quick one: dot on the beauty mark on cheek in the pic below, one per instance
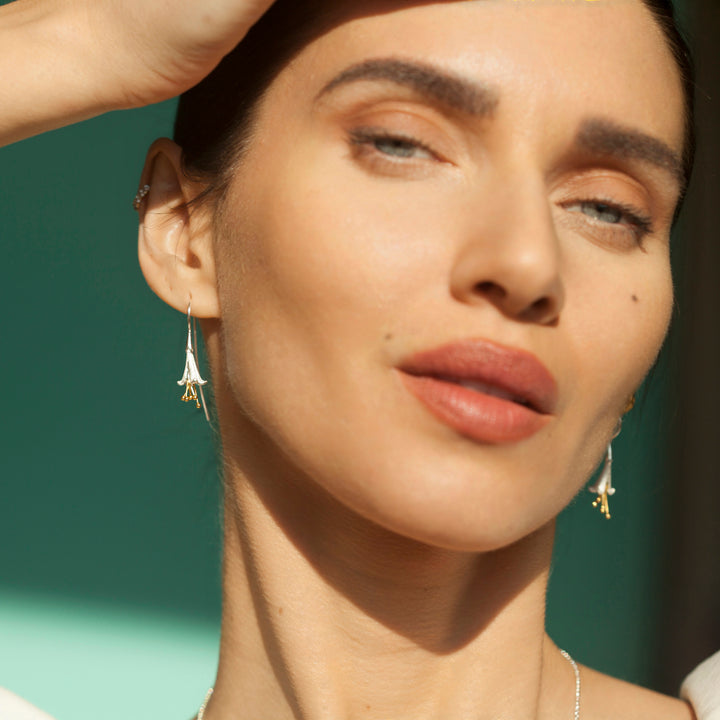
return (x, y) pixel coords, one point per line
(635, 298)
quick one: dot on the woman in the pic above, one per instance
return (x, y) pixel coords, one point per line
(415, 247)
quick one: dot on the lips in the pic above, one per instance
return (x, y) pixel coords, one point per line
(485, 391)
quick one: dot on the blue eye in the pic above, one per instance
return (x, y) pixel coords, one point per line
(613, 214)
(395, 146)
(399, 147)
(602, 211)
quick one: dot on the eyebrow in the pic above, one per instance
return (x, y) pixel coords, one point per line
(605, 137)
(596, 135)
(439, 86)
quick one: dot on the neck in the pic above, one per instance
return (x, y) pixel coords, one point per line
(330, 617)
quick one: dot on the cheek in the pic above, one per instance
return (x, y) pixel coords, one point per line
(332, 261)
(620, 319)
(304, 300)
(644, 306)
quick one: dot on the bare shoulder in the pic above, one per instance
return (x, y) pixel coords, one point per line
(607, 698)
(13, 707)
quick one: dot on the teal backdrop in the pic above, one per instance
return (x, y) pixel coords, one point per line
(109, 539)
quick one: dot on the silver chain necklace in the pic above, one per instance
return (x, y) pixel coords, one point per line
(201, 711)
(566, 655)
(576, 670)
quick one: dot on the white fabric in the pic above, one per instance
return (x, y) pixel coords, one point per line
(702, 688)
(14, 708)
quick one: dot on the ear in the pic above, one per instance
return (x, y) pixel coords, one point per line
(175, 245)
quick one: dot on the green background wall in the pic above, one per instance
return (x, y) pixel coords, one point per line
(109, 535)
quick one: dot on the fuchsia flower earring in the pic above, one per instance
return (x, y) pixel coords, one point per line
(191, 379)
(603, 487)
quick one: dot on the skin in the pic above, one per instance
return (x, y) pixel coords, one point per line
(67, 60)
(378, 564)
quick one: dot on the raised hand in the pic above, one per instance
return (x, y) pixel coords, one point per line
(67, 60)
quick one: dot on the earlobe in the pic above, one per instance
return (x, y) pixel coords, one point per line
(175, 246)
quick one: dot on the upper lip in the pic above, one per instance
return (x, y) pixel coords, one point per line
(511, 370)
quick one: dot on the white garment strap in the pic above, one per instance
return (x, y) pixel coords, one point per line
(14, 708)
(702, 688)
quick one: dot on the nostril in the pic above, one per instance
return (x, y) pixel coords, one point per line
(543, 310)
(541, 306)
(491, 290)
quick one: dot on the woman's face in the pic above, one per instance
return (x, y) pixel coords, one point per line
(491, 181)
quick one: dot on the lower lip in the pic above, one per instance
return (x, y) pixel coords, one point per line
(480, 417)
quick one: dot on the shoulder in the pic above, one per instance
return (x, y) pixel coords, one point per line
(607, 698)
(14, 708)
(702, 688)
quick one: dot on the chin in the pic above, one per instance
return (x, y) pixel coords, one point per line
(481, 534)
(455, 503)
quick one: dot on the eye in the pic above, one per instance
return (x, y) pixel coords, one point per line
(399, 147)
(392, 145)
(615, 215)
(602, 211)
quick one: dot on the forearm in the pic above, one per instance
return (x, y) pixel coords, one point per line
(48, 77)
(67, 60)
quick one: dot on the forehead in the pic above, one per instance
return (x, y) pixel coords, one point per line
(553, 61)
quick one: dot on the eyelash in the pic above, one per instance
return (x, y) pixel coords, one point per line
(638, 223)
(367, 139)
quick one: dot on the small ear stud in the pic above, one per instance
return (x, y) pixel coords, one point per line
(141, 193)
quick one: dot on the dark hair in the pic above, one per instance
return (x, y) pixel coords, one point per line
(214, 119)
(664, 14)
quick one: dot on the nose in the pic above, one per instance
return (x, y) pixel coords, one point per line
(510, 255)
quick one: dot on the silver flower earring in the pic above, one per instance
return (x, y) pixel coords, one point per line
(603, 487)
(191, 378)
